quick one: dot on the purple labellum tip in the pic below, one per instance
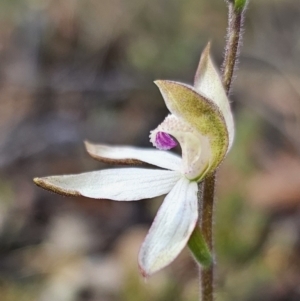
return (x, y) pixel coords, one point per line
(164, 141)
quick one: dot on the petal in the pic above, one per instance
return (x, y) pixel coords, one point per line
(133, 155)
(208, 83)
(202, 114)
(171, 229)
(196, 152)
(120, 184)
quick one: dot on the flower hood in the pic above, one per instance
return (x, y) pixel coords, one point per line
(200, 120)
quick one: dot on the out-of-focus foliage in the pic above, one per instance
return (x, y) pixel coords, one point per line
(73, 70)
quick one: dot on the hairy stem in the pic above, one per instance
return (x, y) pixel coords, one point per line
(234, 39)
(207, 274)
(234, 33)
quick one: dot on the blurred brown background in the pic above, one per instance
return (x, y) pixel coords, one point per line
(73, 70)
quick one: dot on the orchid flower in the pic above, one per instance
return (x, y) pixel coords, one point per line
(201, 122)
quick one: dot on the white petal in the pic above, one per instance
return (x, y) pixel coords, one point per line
(133, 155)
(171, 229)
(208, 83)
(120, 184)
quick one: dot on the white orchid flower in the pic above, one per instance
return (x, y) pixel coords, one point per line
(201, 121)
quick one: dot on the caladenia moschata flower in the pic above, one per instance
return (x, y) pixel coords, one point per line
(201, 122)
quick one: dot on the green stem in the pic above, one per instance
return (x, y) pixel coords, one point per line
(234, 34)
(197, 242)
(207, 275)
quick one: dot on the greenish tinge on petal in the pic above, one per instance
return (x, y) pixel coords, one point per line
(199, 248)
(209, 84)
(204, 115)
